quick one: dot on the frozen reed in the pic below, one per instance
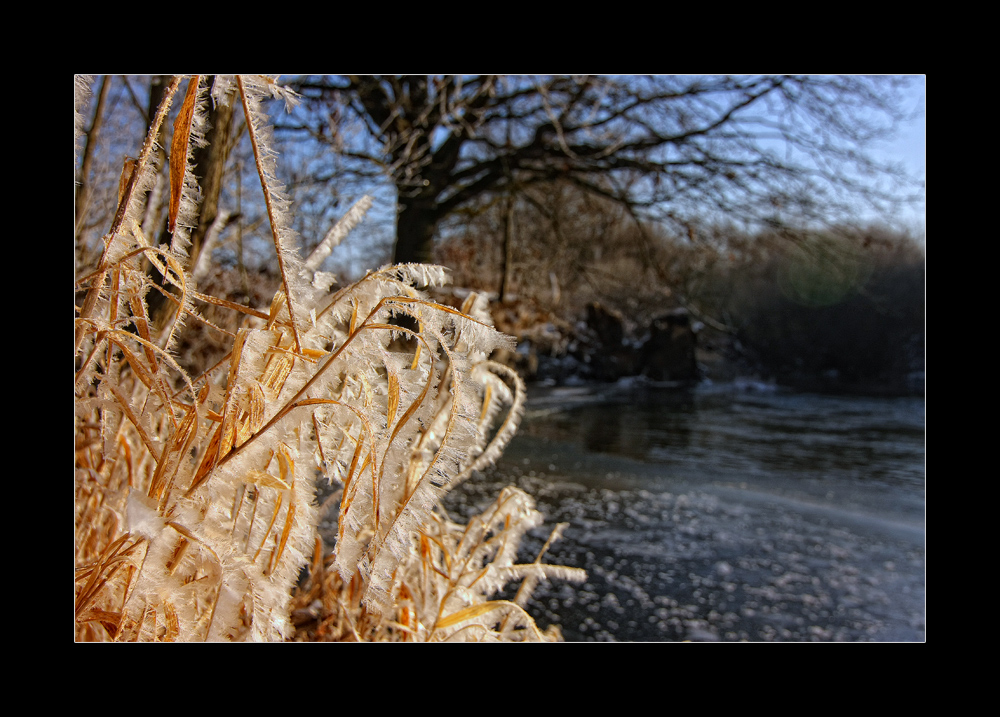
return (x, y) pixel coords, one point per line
(195, 494)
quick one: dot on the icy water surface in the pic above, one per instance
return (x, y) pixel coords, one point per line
(724, 514)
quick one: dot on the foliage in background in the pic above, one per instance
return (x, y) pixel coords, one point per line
(668, 148)
(828, 311)
(194, 493)
(795, 305)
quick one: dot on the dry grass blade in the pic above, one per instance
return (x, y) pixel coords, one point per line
(269, 200)
(195, 506)
(393, 397)
(474, 611)
(179, 149)
(135, 181)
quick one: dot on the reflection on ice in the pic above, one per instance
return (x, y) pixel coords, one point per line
(726, 514)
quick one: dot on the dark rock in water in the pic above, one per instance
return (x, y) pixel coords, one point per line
(669, 352)
(608, 358)
(608, 325)
(602, 348)
(610, 365)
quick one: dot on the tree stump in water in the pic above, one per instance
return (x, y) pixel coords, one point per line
(669, 352)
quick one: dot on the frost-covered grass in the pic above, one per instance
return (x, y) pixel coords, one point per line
(194, 501)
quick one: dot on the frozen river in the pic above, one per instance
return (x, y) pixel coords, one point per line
(727, 513)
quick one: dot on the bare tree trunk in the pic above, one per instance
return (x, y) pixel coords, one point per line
(415, 225)
(508, 250)
(154, 207)
(156, 303)
(210, 166)
(83, 188)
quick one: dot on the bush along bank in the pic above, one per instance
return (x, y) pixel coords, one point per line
(842, 349)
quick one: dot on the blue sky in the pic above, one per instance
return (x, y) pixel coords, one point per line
(910, 145)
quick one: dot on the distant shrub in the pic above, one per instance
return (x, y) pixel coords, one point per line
(841, 308)
(836, 312)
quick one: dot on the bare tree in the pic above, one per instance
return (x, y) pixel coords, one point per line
(762, 149)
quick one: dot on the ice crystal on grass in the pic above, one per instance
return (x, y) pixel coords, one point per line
(195, 494)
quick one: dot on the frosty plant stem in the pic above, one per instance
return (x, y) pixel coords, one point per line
(135, 180)
(295, 401)
(195, 506)
(269, 202)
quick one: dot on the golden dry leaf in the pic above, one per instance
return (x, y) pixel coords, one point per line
(289, 520)
(279, 365)
(393, 398)
(173, 624)
(266, 480)
(274, 517)
(473, 611)
(416, 356)
(258, 405)
(277, 302)
(127, 169)
(179, 149)
(286, 465)
(354, 461)
(486, 403)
